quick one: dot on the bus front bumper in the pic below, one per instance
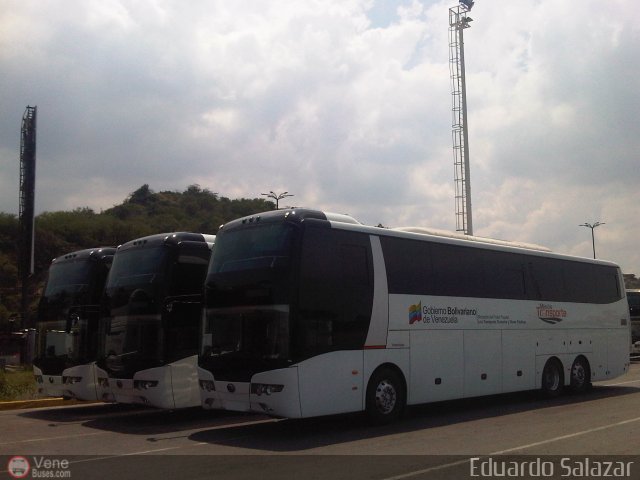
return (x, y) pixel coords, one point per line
(49, 385)
(273, 393)
(80, 382)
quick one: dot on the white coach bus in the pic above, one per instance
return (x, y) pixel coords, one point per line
(152, 305)
(310, 313)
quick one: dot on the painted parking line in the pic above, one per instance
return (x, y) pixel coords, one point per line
(44, 439)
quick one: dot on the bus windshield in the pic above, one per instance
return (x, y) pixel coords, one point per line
(68, 283)
(53, 347)
(132, 343)
(251, 266)
(67, 315)
(134, 279)
(133, 300)
(250, 271)
(251, 248)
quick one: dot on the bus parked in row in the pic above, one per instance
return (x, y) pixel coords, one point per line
(310, 313)
(633, 297)
(151, 312)
(67, 320)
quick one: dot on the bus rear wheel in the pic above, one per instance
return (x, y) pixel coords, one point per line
(552, 378)
(386, 396)
(580, 375)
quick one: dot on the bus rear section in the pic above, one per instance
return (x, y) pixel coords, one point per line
(67, 322)
(151, 312)
(633, 298)
(307, 314)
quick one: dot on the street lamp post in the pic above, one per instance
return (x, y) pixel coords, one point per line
(593, 238)
(277, 196)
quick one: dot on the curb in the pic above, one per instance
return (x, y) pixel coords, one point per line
(40, 403)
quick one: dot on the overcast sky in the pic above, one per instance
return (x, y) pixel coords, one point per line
(344, 103)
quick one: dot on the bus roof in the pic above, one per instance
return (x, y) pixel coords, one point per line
(173, 238)
(460, 236)
(347, 222)
(96, 252)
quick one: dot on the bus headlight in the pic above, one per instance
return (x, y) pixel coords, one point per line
(265, 388)
(144, 384)
(207, 385)
(103, 382)
(38, 378)
(71, 380)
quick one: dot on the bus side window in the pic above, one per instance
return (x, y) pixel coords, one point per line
(357, 296)
(458, 271)
(546, 279)
(409, 267)
(353, 261)
(504, 275)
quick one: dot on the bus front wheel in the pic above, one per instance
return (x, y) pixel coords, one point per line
(386, 396)
(552, 378)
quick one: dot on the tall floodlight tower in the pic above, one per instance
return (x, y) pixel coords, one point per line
(458, 22)
(27, 203)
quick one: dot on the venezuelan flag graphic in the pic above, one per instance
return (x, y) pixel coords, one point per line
(415, 313)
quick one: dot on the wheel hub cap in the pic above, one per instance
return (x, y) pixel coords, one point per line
(385, 397)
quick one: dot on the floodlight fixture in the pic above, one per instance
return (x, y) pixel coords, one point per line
(467, 3)
(277, 196)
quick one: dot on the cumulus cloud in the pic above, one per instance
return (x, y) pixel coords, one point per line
(345, 104)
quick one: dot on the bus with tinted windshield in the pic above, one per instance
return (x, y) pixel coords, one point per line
(68, 315)
(151, 310)
(309, 313)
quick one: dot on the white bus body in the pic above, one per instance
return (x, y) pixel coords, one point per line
(331, 317)
(153, 302)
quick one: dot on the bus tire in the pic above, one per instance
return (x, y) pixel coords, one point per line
(386, 396)
(552, 378)
(580, 375)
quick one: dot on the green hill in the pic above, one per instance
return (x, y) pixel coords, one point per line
(144, 212)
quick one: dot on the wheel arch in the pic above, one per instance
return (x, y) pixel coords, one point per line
(391, 366)
(397, 358)
(385, 394)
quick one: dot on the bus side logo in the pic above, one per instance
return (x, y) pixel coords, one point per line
(551, 315)
(415, 313)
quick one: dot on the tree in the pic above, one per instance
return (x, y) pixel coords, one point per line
(141, 195)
